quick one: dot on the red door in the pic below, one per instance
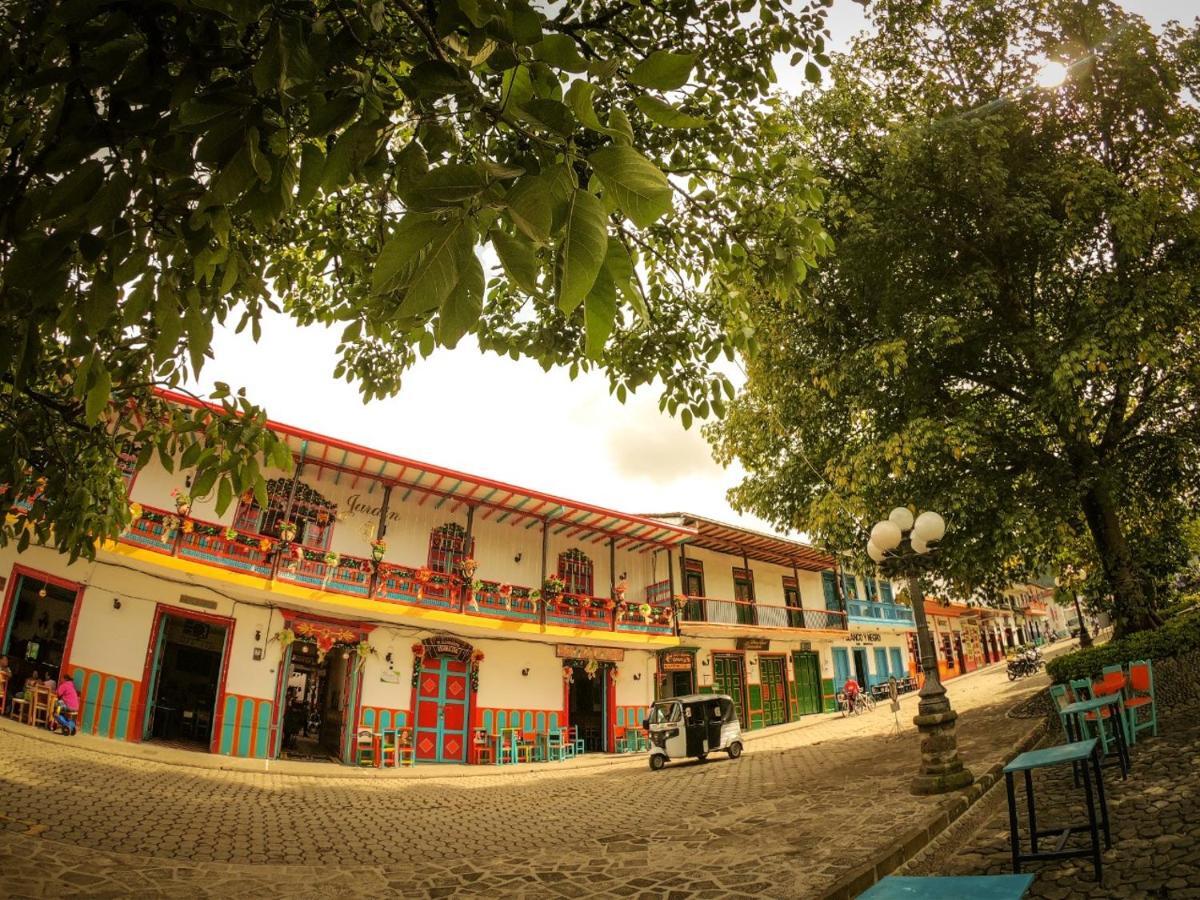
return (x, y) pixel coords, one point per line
(443, 701)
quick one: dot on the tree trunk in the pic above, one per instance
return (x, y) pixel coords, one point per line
(1133, 610)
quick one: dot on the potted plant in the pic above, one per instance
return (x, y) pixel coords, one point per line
(287, 532)
(620, 588)
(467, 567)
(332, 561)
(231, 533)
(552, 589)
(183, 501)
(378, 549)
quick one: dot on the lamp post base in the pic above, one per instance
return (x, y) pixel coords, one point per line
(941, 769)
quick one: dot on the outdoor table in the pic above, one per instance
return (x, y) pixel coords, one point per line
(977, 887)
(1078, 753)
(1074, 717)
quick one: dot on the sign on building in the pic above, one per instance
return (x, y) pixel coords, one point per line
(675, 661)
(753, 643)
(600, 654)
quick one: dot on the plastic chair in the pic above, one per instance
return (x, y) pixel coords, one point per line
(1141, 696)
(365, 749)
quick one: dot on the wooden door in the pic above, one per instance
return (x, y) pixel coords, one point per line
(729, 678)
(156, 650)
(443, 697)
(773, 677)
(808, 682)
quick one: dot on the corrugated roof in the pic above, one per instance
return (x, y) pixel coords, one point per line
(441, 486)
(734, 540)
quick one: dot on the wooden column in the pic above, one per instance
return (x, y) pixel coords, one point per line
(676, 612)
(545, 554)
(287, 510)
(799, 596)
(612, 581)
(464, 589)
(380, 531)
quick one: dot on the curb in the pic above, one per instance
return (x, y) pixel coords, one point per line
(900, 851)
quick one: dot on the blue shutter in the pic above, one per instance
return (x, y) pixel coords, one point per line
(849, 586)
(829, 585)
(897, 662)
(885, 591)
(872, 589)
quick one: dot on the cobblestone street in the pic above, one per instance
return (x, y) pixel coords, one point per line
(78, 821)
(1155, 817)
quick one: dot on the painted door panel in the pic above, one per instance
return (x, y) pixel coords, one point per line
(881, 666)
(727, 673)
(443, 697)
(897, 662)
(774, 689)
(152, 687)
(808, 682)
(841, 667)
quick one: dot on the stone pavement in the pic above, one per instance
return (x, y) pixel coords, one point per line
(799, 809)
(1155, 819)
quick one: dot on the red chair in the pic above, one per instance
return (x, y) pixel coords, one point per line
(1141, 688)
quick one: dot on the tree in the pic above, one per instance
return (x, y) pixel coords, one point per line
(1007, 330)
(168, 166)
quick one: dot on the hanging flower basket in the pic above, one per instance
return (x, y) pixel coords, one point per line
(287, 532)
(681, 601)
(286, 637)
(183, 501)
(552, 589)
(590, 668)
(231, 533)
(620, 589)
(295, 556)
(467, 567)
(170, 523)
(265, 545)
(568, 675)
(135, 512)
(332, 561)
(378, 549)
(646, 609)
(505, 594)
(362, 651)
(187, 526)
(423, 575)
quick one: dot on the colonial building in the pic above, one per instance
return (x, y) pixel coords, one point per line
(374, 591)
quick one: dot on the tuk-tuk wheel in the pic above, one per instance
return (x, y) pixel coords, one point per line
(657, 761)
(735, 749)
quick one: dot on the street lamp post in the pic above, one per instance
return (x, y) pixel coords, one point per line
(901, 540)
(1085, 639)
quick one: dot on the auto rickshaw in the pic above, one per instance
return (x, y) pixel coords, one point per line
(694, 725)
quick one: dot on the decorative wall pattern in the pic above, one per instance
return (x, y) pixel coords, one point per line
(245, 726)
(107, 704)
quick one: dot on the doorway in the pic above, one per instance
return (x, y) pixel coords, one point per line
(958, 652)
(37, 629)
(443, 699)
(862, 671)
(317, 701)
(187, 664)
(729, 676)
(772, 671)
(808, 682)
(587, 705)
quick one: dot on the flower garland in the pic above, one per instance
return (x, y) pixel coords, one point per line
(568, 675)
(418, 651)
(476, 659)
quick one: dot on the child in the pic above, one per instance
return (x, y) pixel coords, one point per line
(68, 704)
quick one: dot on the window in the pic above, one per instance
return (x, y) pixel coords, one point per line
(447, 547)
(312, 515)
(743, 593)
(829, 586)
(849, 586)
(885, 592)
(693, 578)
(791, 599)
(127, 462)
(872, 589)
(575, 569)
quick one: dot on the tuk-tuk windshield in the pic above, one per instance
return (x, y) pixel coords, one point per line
(662, 713)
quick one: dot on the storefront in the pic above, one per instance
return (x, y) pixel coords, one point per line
(676, 675)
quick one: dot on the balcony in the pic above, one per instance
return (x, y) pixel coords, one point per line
(713, 611)
(867, 612)
(266, 557)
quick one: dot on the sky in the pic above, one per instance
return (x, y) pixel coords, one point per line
(488, 415)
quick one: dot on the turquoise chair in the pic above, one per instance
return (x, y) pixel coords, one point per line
(556, 748)
(1062, 698)
(567, 745)
(1141, 696)
(576, 741)
(1082, 689)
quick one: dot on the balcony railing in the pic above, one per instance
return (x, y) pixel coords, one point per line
(267, 557)
(714, 611)
(880, 612)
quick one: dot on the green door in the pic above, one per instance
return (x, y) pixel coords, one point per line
(808, 682)
(774, 689)
(727, 673)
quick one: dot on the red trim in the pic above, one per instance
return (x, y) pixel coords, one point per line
(681, 532)
(292, 615)
(226, 622)
(18, 572)
(610, 743)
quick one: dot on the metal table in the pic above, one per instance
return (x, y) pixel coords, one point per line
(977, 887)
(1075, 713)
(1079, 754)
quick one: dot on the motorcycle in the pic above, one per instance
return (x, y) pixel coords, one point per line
(1027, 662)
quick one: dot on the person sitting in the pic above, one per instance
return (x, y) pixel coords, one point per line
(4, 667)
(67, 708)
(851, 690)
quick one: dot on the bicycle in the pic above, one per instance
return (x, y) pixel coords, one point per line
(863, 703)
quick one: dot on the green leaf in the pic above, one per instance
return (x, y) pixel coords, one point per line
(99, 393)
(463, 305)
(74, 189)
(579, 97)
(530, 209)
(685, 416)
(812, 72)
(663, 113)
(411, 235)
(620, 269)
(639, 188)
(449, 184)
(434, 78)
(312, 166)
(663, 70)
(224, 495)
(552, 114)
(599, 314)
(517, 257)
(438, 270)
(581, 252)
(559, 50)
(327, 117)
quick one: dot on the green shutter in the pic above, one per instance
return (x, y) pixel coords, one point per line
(849, 586)
(885, 590)
(829, 585)
(872, 589)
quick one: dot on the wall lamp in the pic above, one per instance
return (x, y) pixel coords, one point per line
(518, 557)
(525, 672)
(637, 676)
(116, 602)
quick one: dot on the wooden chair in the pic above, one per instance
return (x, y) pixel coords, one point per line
(3, 691)
(1141, 696)
(389, 747)
(404, 747)
(556, 749)
(526, 746)
(578, 744)
(40, 708)
(366, 748)
(482, 747)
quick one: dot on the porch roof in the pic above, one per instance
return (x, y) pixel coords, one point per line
(504, 501)
(734, 540)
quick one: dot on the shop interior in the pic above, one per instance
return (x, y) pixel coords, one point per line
(37, 629)
(190, 653)
(587, 698)
(317, 695)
